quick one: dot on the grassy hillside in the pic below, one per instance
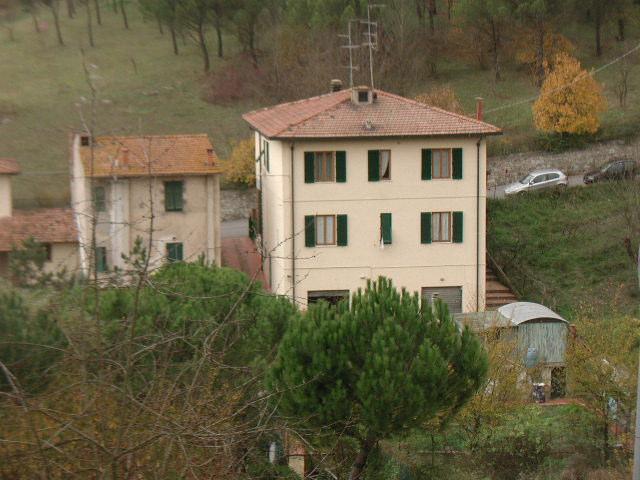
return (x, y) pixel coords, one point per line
(144, 88)
(43, 88)
(565, 249)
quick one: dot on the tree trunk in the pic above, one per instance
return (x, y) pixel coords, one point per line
(89, 24)
(124, 15)
(605, 438)
(621, 37)
(219, 35)
(98, 14)
(114, 4)
(71, 9)
(495, 38)
(36, 25)
(174, 40)
(56, 21)
(252, 46)
(160, 29)
(203, 48)
(361, 460)
(433, 11)
(597, 18)
(539, 67)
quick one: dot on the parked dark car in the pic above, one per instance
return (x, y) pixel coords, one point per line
(614, 170)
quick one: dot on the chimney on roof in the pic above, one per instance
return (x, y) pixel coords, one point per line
(480, 108)
(85, 140)
(210, 156)
(336, 85)
(125, 157)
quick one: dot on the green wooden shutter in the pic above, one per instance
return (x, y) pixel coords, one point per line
(457, 164)
(341, 166)
(426, 164)
(342, 230)
(174, 252)
(385, 224)
(308, 167)
(101, 259)
(173, 196)
(310, 231)
(99, 199)
(374, 165)
(425, 227)
(457, 227)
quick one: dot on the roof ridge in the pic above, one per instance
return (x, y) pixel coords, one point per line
(303, 120)
(441, 110)
(171, 135)
(294, 102)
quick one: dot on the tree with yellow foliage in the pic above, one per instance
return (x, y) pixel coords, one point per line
(240, 166)
(570, 99)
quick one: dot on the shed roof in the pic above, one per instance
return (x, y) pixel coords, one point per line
(521, 312)
(334, 115)
(8, 166)
(46, 225)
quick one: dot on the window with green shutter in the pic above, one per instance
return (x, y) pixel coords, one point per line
(99, 198)
(426, 164)
(342, 230)
(425, 227)
(341, 166)
(374, 165)
(309, 167)
(101, 259)
(457, 164)
(173, 196)
(174, 252)
(457, 227)
(385, 228)
(310, 230)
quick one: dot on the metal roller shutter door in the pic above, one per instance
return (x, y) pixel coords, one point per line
(452, 296)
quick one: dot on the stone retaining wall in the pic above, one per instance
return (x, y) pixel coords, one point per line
(509, 168)
(237, 203)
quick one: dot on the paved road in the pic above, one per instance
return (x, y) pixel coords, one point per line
(235, 228)
(498, 192)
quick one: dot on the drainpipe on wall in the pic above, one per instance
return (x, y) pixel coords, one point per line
(478, 224)
(293, 230)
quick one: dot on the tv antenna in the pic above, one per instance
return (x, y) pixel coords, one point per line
(350, 46)
(371, 36)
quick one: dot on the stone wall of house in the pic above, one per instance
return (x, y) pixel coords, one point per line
(237, 203)
(509, 168)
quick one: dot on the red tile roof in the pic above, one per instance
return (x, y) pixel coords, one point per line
(167, 154)
(47, 225)
(8, 166)
(335, 115)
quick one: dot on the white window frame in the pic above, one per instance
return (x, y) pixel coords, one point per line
(333, 231)
(436, 234)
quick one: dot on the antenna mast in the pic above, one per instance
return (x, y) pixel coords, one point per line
(372, 37)
(350, 46)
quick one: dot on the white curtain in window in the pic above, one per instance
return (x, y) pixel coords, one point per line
(320, 238)
(435, 227)
(445, 226)
(330, 229)
(385, 158)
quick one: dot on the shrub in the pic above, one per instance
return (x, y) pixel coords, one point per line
(240, 167)
(442, 97)
(521, 444)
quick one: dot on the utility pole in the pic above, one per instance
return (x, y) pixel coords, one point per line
(636, 443)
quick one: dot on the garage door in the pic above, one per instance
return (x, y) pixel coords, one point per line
(452, 296)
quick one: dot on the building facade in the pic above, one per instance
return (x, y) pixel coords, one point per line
(359, 183)
(162, 191)
(53, 228)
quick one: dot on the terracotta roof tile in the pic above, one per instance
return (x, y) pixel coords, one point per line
(334, 115)
(47, 225)
(8, 166)
(167, 154)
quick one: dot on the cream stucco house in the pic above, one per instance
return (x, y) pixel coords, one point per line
(54, 228)
(163, 188)
(360, 183)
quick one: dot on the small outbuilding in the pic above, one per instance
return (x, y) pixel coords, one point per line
(541, 338)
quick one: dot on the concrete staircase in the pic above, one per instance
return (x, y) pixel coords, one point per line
(497, 293)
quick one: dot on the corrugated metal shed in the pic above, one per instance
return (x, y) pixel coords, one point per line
(521, 312)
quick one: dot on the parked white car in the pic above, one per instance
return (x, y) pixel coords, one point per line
(537, 180)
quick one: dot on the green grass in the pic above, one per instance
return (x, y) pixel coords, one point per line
(566, 249)
(43, 88)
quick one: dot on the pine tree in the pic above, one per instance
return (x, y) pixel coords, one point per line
(375, 369)
(570, 99)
